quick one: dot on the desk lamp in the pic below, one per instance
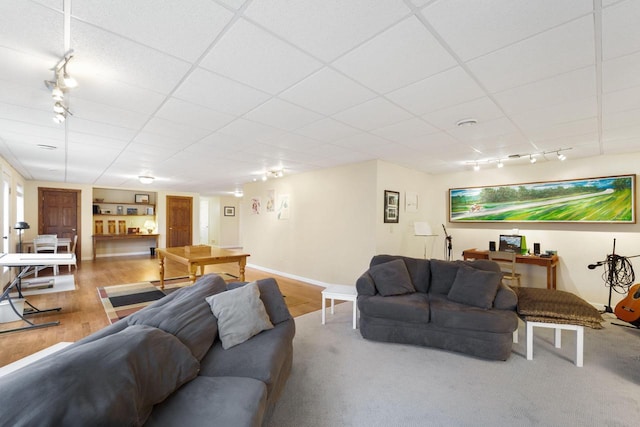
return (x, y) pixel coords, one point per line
(21, 225)
(149, 225)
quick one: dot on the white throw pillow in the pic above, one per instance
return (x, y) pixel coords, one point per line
(241, 314)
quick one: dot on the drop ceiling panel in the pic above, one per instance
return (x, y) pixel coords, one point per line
(99, 129)
(100, 90)
(189, 114)
(31, 28)
(170, 129)
(621, 73)
(402, 55)
(443, 90)
(219, 93)
(552, 91)
(88, 110)
(171, 143)
(481, 109)
(329, 28)
(248, 131)
(327, 92)
(474, 28)
(327, 130)
(253, 56)
(372, 114)
(123, 60)
(405, 130)
(154, 25)
(562, 49)
(283, 115)
(620, 30)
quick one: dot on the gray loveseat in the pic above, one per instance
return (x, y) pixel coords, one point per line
(460, 306)
(162, 366)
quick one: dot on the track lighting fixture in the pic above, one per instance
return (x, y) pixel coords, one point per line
(561, 156)
(532, 158)
(60, 84)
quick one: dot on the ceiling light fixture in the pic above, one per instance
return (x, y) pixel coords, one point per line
(60, 84)
(146, 179)
(561, 156)
(238, 193)
(500, 164)
(467, 122)
(476, 167)
(532, 159)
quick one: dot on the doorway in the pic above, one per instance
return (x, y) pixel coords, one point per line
(179, 221)
(59, 213)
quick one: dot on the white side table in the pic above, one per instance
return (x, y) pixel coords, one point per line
(342, 293)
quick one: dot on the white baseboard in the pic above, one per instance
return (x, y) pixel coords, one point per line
(290, 276)
(147, 252)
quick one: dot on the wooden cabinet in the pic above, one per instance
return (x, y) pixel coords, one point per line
(116, 211)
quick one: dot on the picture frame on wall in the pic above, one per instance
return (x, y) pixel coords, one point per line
(229, 211)
(142, 198)
(609, 199)
(391, 206)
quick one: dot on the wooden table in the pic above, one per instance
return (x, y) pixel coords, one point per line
(199, 256)
(107, 237)
(551, 263)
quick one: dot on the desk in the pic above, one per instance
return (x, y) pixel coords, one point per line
(27, 264)
(110, 237)
(199, 256)
(550, 263)
(64, 242)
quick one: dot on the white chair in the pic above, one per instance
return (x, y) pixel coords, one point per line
(46, 244)
(73, 251)
(507, 262)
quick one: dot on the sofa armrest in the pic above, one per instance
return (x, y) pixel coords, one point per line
(506, 298)
(365, 285)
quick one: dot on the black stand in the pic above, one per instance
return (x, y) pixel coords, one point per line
(17, 284)
(448, 246)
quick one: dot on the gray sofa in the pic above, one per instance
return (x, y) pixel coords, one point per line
(459, 306)
(162, 366)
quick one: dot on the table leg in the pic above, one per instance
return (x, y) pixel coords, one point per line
(557, 338)
(242, 262)
(529, 340)
(579, 346)
(161, 271)
(324, 308)
(354, 314)
(193, 269)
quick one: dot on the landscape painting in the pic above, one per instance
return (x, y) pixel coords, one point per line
(595, 200)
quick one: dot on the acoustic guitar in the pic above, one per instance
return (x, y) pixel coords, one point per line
(629, 308)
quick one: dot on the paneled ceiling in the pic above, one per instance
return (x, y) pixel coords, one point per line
(207, 95)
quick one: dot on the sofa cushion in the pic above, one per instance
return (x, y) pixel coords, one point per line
(209, 401)
(443, 273)
(392, 278)
(475, 287)
(456, 316)
(186, 314)
(115, 380)
(261, 357)
(418, 269)
(240, 313)
(271, 298)
(406, 308)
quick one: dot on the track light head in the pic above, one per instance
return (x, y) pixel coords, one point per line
(532, 159)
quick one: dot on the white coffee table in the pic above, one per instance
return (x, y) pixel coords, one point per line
(342, 293)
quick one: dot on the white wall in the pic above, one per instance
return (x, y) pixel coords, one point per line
(330, 235)
(577, 244)
(229, 226)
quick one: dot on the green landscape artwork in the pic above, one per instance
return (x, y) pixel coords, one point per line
(598, 200)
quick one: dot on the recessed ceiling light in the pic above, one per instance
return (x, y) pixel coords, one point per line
(146, 179)
(467, 122)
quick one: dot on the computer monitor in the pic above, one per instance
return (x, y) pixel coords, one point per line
(510, 243)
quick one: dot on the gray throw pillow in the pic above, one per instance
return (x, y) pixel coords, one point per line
(241, 314)
(113, 381)
(187, 315)
(271, 298)
(392, 278)
(475, 287)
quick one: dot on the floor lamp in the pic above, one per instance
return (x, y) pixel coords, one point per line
(20, 226)
(423, 229)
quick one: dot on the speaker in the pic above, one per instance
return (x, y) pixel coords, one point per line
(536, 248)
(492, 246)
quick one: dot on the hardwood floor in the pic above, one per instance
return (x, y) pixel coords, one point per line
(82, 312)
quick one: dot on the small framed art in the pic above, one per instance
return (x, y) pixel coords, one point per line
(229, 211)
(142, 198)
(391, 206)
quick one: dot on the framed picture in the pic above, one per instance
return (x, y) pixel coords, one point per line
(608, 199)
(229, 211)
(391, 206)
(119, 210)
(142, 198)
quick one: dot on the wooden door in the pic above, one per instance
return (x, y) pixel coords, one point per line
(179, 221)
(59, 213)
